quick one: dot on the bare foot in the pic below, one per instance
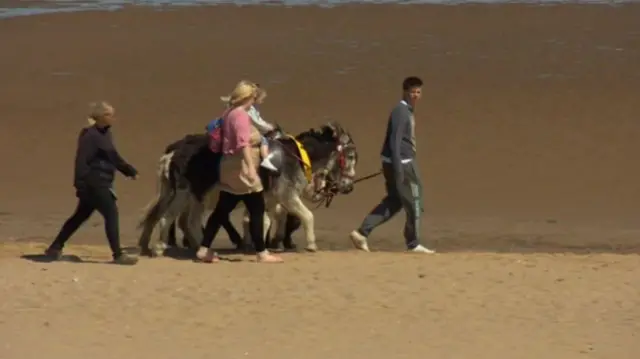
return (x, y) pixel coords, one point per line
(207, 255)
(266, 257)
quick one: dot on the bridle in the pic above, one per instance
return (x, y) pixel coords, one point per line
(342, 160)
(325, 185)
(340, 157)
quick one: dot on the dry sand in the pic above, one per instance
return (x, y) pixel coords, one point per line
(528, 149)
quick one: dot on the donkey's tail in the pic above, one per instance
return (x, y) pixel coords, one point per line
(154, 210)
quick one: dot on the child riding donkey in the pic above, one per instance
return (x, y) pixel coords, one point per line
(265, 128)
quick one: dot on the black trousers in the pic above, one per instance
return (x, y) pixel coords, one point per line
(90, 200)
(227, 202)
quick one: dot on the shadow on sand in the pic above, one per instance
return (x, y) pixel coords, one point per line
(187, 254)
(72, 258)
(514, 245)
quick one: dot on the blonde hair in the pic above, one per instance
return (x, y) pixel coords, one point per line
(98, 110)
(261, 94)
(243, 91)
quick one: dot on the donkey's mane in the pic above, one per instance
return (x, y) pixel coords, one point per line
(326, 133)
(320, 142)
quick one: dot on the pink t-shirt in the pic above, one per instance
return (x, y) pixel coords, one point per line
(236, 130)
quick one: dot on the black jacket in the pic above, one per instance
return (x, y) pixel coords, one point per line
(97, 159)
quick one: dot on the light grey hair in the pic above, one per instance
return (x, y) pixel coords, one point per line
(97, 110)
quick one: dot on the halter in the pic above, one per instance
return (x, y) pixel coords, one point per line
(341, 157)
(325, 193)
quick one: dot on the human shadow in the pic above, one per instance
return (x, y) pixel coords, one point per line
(72, 258)
(516, 244)
(66, 258)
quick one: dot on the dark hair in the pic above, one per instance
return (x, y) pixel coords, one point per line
(411, 82)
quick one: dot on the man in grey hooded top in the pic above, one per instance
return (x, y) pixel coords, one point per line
(402, 182)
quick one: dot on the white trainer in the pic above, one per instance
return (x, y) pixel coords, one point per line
(421, 249)
(266, 163)
(359, 241)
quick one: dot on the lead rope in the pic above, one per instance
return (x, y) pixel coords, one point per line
(330, 192)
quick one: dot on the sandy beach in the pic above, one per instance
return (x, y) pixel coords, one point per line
(528, 141)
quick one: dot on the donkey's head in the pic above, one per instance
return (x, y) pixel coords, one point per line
(334, 150)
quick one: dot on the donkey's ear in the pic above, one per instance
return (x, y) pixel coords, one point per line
(336, 128)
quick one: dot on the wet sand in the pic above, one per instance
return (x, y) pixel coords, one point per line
(528, 139)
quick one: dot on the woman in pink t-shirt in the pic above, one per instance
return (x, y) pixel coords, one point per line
(239, 143)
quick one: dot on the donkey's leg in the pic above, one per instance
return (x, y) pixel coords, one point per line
(159, 206)
(194, 231)
(296, 207)
(147, 242)
(190, 223)
(246, 235)
(266, 222)
(278, 225)
(145, 238)
(183, 224)
(157, 246)
(172, 240)
(270, 213)
(173, 211)
(152, 217)
(292, 223)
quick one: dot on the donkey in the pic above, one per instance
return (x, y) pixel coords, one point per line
(329, 169)
(180, 151)
(185, 169)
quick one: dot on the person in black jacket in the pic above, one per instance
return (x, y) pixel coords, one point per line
(95, 165)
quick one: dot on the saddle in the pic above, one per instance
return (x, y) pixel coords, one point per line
(303, 158)
(278, 150)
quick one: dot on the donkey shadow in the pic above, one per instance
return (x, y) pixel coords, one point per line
(188, 254)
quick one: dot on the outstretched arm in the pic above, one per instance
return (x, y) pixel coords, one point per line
(257, 120)
(105, 143)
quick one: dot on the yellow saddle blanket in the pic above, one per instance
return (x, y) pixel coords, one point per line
(304, 156)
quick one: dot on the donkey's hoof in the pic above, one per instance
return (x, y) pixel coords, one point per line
(158, 252)
(290, 247)
(147, 252)
(274, 244)
(311, 248)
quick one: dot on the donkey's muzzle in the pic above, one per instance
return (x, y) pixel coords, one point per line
(347, 188)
